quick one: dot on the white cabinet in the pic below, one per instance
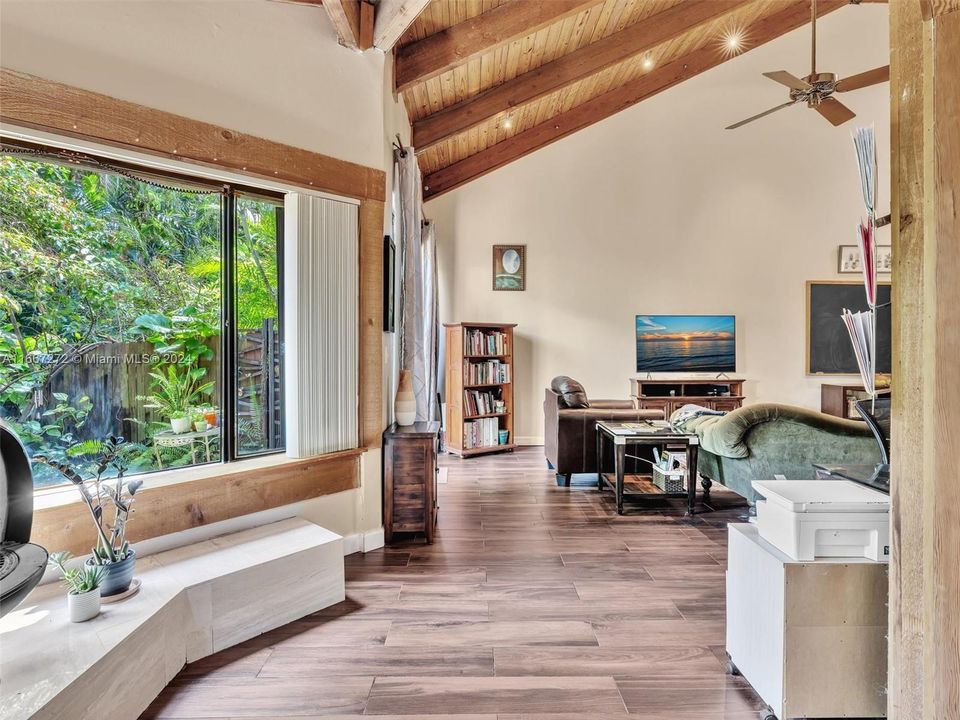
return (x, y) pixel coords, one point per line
(810, 637)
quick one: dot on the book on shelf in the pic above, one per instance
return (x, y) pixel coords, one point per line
(481, 433)
(480, 402)
(486, 342)
(488, 372)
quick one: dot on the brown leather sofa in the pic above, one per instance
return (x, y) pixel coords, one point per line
(570, 426)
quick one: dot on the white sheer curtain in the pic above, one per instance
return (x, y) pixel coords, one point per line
(418, 287)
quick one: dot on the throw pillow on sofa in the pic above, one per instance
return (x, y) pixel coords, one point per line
(572, 394)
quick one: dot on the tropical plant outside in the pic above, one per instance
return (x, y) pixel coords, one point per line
(110, 306)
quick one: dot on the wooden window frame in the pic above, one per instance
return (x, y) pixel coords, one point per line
(245, 486)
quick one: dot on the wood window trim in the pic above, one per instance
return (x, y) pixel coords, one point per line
(40, 104)
(168, 504)
(62, 110)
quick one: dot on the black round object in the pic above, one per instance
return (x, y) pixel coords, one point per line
(21, 564)
(21, 567)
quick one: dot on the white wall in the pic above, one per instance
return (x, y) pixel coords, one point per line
(270, 69)
(659, 210)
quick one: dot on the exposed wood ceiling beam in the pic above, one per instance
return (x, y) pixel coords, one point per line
(448, 48)
(353, 20)
(393, 18)
(603, 106)
(588, 60)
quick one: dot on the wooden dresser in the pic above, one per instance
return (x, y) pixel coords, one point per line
(410, 479)
(673, 393)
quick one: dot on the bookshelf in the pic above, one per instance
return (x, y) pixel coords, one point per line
(479, 382)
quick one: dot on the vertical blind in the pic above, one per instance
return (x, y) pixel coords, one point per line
(321, 296)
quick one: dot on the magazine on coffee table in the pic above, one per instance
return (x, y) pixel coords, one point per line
(640, 426)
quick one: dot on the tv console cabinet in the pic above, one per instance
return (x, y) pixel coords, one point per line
(670, 394)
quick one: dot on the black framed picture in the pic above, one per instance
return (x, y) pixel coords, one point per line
(389, 273)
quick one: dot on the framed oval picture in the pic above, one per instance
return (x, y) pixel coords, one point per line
(509, 267)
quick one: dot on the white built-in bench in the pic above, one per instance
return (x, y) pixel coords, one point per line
(195, 601)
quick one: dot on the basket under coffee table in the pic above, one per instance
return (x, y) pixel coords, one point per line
(640, 433)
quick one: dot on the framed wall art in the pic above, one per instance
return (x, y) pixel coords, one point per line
(509, 267)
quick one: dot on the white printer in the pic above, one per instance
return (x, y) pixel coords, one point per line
(807, 519)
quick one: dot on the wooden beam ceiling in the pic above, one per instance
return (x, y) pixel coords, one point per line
(353, 20)
(632, 41)
(764, 29)
(393, 18)
(459, 43)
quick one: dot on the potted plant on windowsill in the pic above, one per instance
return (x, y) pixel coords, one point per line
(83, 586)
(112, 551)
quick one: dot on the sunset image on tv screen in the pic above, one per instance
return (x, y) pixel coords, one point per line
(686, 343)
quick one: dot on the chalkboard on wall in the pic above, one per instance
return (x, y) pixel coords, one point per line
(829, 351)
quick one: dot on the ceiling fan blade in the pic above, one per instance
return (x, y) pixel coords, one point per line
(763, 114)
(785, 78)
(864, 79)
(835, 111)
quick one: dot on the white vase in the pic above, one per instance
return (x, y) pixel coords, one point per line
(84, 606)
(405, 408)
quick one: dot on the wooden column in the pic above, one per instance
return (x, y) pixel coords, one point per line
(924, 634)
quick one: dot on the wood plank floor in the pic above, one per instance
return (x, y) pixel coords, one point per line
(535, 603)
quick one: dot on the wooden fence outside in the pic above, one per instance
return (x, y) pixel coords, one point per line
(114, 375)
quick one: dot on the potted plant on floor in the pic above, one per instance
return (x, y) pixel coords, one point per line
(83, 586)
(112, 551)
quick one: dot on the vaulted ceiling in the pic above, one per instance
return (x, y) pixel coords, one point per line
(486, 82)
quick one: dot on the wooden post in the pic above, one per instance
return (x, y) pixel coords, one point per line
(924, 613)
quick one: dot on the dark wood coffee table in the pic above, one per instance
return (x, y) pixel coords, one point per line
(638, 433)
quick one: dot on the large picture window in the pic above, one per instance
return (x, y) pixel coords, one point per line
(140, 306)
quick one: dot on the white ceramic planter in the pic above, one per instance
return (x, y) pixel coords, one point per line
(180, 425)
(200, 426)
(85, 606)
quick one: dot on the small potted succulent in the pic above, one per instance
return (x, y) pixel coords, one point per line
(112, 552)
(83, 586)
(199, 420)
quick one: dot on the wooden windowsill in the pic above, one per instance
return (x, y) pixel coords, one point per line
(175, 500)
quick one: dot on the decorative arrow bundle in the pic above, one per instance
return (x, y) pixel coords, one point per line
(862, 326)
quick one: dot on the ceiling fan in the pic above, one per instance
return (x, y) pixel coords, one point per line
(817, 89)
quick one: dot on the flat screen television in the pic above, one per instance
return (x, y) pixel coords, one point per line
(686, 343)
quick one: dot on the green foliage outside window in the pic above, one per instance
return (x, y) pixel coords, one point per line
(91, 258)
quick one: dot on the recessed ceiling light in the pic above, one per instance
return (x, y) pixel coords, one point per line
(732, 41)
(507, 123)
(647, 63)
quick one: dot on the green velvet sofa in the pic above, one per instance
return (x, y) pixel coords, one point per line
(759, 441)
